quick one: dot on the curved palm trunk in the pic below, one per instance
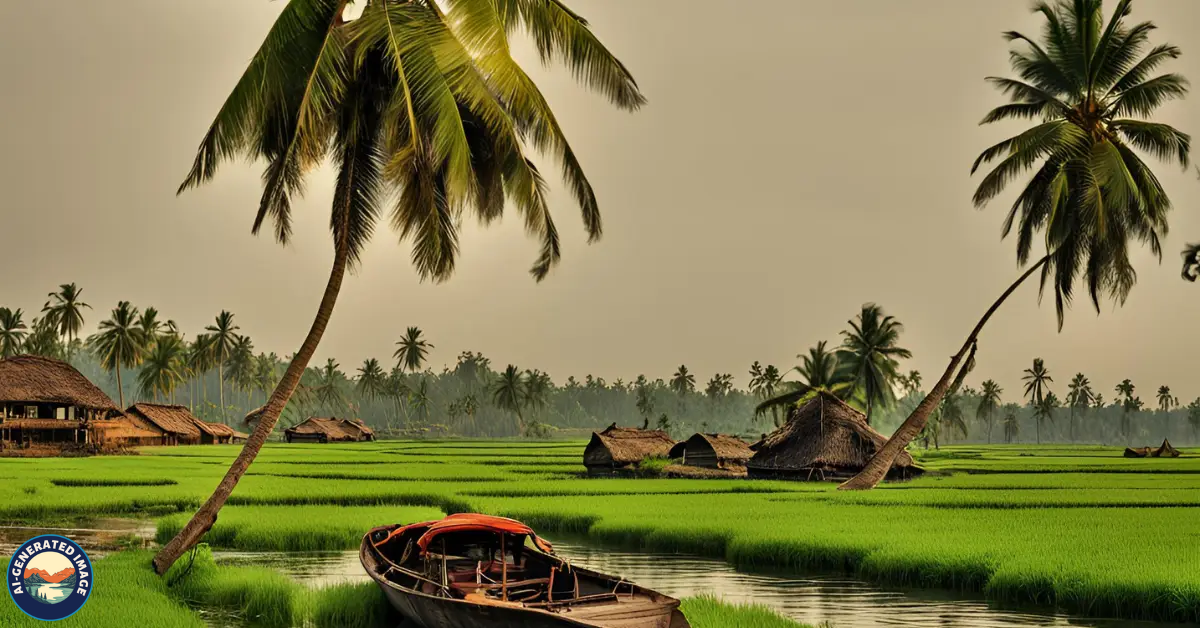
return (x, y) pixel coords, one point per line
(881, 463)
(204, 518)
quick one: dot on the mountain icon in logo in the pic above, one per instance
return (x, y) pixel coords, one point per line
(47, 587)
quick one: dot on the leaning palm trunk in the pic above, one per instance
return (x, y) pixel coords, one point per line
(204, 518)
(881, 463)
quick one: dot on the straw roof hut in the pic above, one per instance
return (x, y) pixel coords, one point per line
(125, 432)
(823, 439)
(1166, 450)
(328, 430)
(177, 424)
(713, 451)
(43, 400)
(618, 448)
(214, 433)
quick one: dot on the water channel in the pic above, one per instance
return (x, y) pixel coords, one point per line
(841, 601)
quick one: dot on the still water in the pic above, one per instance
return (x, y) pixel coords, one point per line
(52, 593)
(841, 601)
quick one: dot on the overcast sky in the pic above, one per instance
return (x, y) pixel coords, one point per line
(796, 159)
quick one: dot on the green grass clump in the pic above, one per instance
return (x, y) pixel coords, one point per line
(296, 528)
(261, 597)
(710, 612)
(352, 606)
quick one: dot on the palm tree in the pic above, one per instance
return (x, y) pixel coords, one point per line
(1090, 193)
(150, 325)
(200, 361)
(422, 97)
(222, 336)
(952, 416)
(44, 340)
(1036, 380)
(1191, 262)
(328, 389)
(1079, 396)
(537, 389)
(508, 393)
(683, 382)
(162, 370)
(1165, 403)
(870, 352)
(1012, 426)
(412, 351)
(239, 368)
(371, 380)
(1043, 411)
(820, 372)
(989, 403)
(120, 342)
(64, 311)
(1194, 416)
(12, 332)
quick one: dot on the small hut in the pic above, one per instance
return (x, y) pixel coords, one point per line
(329, 430)
(214, 433)
(125, 432)
(176, 424)
(1166, 450)
(713, 451)
(43, 400)
(823, 439)
(622, 448)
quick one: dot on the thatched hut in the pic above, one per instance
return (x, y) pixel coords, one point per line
(329, 430)
(124, 432)
(823, 439)
(43, 400)
(214, 433)
(1166, 450)
(713, 451)
(176, 424)
(622, 448)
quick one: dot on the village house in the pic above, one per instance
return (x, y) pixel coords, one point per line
(329, 430)
(43, 400)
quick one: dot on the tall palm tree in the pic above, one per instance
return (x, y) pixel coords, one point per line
(1079, 396)
(508, 393)
(163, 368)
(952, 417)
(989, 404)
(150, 325)
(819, 371)
(538, 386)
(64, 311)
(12, 332)
(1036, 379)
(1165, 403)
(423, 97)
(222, 336)
(1012, 426)
(239, 367)
(1087, 83)
(1043, 411)
(870, 352)
(328, 389)
(683, 382)
(120, 342)
(412, 350)
(200, 361)
(1191, 262)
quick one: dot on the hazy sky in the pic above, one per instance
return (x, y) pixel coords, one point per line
(797, 158)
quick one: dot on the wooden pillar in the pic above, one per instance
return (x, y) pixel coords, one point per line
(503, 569)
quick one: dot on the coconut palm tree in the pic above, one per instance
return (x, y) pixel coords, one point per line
(1193, 417)
(1036, 379)
(120, 342)
(952, 418)
(239, 367)
(1043, 411)
(1012, 426)
(1165, 403)
(44, 340)
(163, 368)
(12, 332)
(870, 353)
(508, 393)
(683, 382)
(538, 386)
(1090, 88)
(1079, 396)
(222, 336)
(150, 325)
(989, 404)
(328, 387)
(370, 379)
(64, 311)
(1191, 262)
(413, 350)
(200, 361)
(422, 97)
(819, 371)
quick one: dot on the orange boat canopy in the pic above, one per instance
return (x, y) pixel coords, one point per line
(471, 522)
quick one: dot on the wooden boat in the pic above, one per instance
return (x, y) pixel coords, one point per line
(478, 571)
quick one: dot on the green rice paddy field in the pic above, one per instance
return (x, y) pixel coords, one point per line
(1080, 529)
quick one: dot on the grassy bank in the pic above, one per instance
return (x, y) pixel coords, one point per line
(1079, 528)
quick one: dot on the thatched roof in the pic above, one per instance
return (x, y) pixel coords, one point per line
(824, 434)
(1166, 450)
(214, 429)
(34, 379)
(725, 446)
(626, 445)
(332, 428)
(123, 427)
(172, 419)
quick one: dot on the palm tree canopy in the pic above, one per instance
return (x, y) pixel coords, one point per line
(1080, 393)
(870, 352)
(120, 342)
(222, 337)
(65, 310)
(413, 349)
(1091, 86)
(989, 398)
(12, 332)
(1164, 398)
(1125, 389)
(414, 98)
(508, 393)
(1036, 379)
(682, 381)
(1191, 262)
(163, 368)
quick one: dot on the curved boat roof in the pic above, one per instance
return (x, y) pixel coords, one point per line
(470, 522)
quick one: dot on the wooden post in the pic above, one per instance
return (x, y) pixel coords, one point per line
(550, 589)
(503, 569)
